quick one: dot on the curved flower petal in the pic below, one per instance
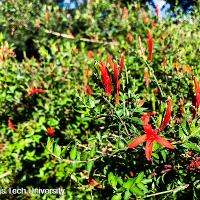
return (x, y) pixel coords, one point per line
(148, 150)
(137, 141)
(164, 142)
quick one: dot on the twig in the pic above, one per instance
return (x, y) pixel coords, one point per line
(71, 37)
(169, 191)
(76, 161)
(193, 134)
(5, 174)
(117, 115)
(156, 80)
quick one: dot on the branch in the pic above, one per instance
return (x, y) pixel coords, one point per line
(5, 174)
(71, 37)
(183, 187)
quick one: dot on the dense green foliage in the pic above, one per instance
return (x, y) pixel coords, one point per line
(55, 135)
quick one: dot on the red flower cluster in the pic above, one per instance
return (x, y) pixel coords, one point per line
(51, 131)
(151, 135)
(33, 91)
(87, 88)
(106, 78)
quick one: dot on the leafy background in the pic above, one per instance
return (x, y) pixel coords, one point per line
(87, 155)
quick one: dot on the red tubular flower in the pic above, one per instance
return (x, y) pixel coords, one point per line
(189, 70)
(152, 23)
(146, 76)
(87, 88)
(110, 62)
(115, 72)
(90, 54)
(196, 85)
(167, 115)
(142, 101)
(129, 38)
(196, 97)
(33, 91)
(106, 80)
(157, 10)
(125, 13)
(51, 131)
(141, 46)
(156, 91)
(164, 60)
(182, 106)
(11, 125)
(151, 135)
(144, 17)
(150, 42)
(117, 82)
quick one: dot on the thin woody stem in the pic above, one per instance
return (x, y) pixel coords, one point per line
(5, 174)
(156, 80)
(71, 37)
(169, 191)
(117, 115)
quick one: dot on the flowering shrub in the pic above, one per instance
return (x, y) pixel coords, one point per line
(75, 113)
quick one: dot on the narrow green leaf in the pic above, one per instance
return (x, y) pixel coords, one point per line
(57, 150)
(73, 153)
(140, 177)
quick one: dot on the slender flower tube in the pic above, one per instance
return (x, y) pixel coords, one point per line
(150, 42)
(87, 88)
(167, 115)
(110, 62)
(196, 97)
(145, 17)
(146, 77)
(106, 79)
(117, 82)
(182, 106)
(125, 13)
(164, 60)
